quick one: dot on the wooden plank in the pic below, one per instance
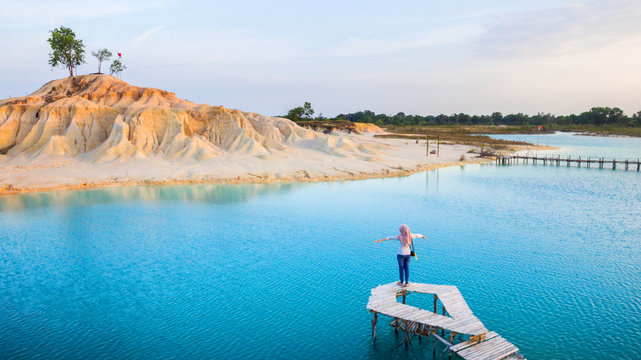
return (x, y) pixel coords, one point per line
(389, 309)
(402, 310)
(462, 325)
(381, 299)
(473, 329)
(425, 317)
(499, 352)
(491, 351)
(495, 348)
(482, 347)
(382, 306)
(445, 342)
(471, 342)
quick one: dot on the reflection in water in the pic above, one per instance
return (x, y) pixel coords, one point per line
(434, 173)
(187, 277)
(211, 193)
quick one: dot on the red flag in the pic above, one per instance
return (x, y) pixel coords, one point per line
(540, 127)
(119, 55)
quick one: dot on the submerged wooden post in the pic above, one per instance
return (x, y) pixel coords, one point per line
(568, 160)
(614, 164)
(407, 333)
(579, 161)
(434, 337)
(374, 321)
(443, 312)
(638, 164)
(626, 164)
(451, 342)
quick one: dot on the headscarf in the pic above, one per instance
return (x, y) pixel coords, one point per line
(406, 236)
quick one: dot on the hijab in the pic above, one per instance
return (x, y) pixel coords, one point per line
(405, 237)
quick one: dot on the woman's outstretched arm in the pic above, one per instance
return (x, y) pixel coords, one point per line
(387, 238)
(414, 236)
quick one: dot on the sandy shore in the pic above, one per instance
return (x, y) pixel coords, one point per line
(396, 157)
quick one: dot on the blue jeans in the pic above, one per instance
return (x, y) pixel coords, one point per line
(403, 267)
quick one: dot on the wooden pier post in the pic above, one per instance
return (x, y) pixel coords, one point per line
(434, 337)
(568, 160)
(588, 162)
(443, 330)
(638, 164)
(614, 164)
(407, 339)
(579, 161)
(427, 145)
(435, 308)
(451, 341)
(374, 322)
(558, 160)
(626, 164)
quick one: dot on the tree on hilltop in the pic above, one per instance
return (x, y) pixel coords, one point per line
(299, 113)
(67, 51)
(117, 67)
(101, 55)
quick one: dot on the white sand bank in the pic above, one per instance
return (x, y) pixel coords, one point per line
(392, 157)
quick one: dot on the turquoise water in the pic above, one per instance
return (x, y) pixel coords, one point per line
(548, 257)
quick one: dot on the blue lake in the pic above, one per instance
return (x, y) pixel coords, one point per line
(548, 257)
(572, 144)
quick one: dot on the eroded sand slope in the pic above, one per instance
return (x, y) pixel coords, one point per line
(96, 129)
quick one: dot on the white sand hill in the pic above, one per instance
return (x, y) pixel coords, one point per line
(96, 130)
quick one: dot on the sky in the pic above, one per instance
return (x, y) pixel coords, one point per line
(417, 57)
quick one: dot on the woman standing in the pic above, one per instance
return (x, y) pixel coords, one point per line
(403, 255)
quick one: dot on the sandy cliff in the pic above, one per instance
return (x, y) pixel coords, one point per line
(102, 118)
(96, 129)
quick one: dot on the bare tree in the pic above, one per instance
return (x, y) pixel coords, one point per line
(101, 55)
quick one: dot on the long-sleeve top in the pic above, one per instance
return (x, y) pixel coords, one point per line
(402, 249)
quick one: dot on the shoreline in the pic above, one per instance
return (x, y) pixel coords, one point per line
(9, 190)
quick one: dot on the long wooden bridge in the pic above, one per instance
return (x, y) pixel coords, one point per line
(600, 163)
(475, 342)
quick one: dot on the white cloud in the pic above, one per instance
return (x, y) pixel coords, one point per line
(138, 40)
(384, 46)
(574, 28)
(33, 14)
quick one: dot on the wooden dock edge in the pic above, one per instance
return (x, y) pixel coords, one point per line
(486, 345)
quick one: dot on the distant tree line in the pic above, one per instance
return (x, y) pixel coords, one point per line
(595, 116)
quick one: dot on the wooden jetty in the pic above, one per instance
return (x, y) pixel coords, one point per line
(456, 319)
(599, 163)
